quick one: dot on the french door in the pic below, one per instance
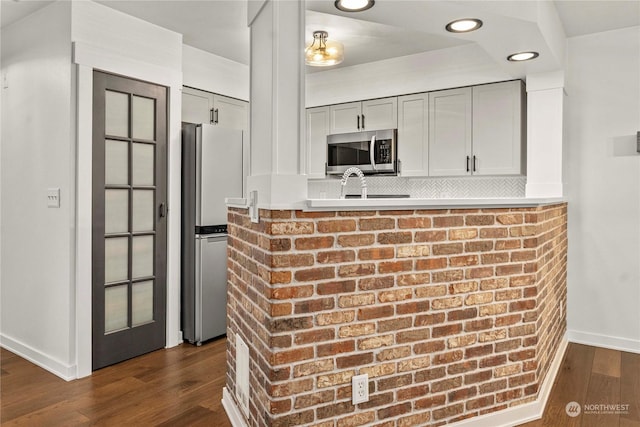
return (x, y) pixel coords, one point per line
(129, 218)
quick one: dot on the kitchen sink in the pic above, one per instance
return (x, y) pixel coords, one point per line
(378, 196)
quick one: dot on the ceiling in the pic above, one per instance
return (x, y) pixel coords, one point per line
(392, 28)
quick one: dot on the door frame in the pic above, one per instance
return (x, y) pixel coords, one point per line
(86, 58)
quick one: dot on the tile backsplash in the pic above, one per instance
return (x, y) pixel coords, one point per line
(425, 188)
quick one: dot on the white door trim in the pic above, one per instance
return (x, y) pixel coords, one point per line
(87, 58)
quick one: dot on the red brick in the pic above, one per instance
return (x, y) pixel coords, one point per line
(443, 331)
(334, 257)
(428, 347)
(368, 224)
(376, 312)
(445, 358)
(495, 258)
(353, 270)
(328, 288)
(334, 410)
(522, 355)
(332, 349)
(480, 402)
(412, 392)
(375, 283)
(445, 385)
(502, 245)
(313, 274)
(414, 222)
(447, 248)
(314, 336)
(493, 233)
(289, 356)
(478, 246)
(413, 307)
(302, 214)
(462, 367)
(431, 264)
(481, 350)
(430, 402)
(375, 253)
(394, 238)
(478, 325)
(463, 287)
(358, 419)
(393, 353)
(290, 260)
(509, 320)
(291, 228)
(479, 272)
(313, 399)
(496, 360)
(493, 386)
(354, 240)
(478, 377)
(448, 221)
(431, 236)
(510, 219)
(467, 313)
(336, 226)
(509, 395)
(354, 360)
(463, 234)
(394, 411)
(508, 345)
(412, 335)
(395, 295)
(508, 270)
(429, 374)
(429, 319)
(280, 277)
(521, 380)
(529, 304)
(314, 305)
(307, 243)
(394, 266)
(292, 292)
(463, 393)
(463, 261)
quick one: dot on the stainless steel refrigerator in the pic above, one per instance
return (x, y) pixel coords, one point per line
(211, 171)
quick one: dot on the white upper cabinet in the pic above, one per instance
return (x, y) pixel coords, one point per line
(380, 114)
(477, 130)
(413, 134)
(374, 114)
(498, 128)
(449, 132)
(205, 107)
(317, 130)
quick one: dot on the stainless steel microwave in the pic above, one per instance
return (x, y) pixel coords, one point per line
(373, 152)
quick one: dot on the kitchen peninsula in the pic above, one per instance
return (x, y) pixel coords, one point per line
(454, 309)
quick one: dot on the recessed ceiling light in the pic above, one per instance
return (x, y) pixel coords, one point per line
(522, 56)
(464, 25)
(354, 5)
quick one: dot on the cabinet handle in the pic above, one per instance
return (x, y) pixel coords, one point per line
(363, 122)
(215, 116)
(358, 121)
(467, 163)
(211, 116)
(474, 163)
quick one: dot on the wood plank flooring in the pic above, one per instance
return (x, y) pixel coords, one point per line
(182, 386)
(594, 376)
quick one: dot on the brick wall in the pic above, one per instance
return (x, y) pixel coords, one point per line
(451, 313)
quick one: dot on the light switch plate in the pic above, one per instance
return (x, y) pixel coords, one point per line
(53, 197)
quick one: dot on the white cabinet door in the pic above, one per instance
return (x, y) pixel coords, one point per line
(345, 117)
(230, 113)
(379, 114)
(413, 134)
(450, 132)
(196, 105)
(497, 128)
(317, 131)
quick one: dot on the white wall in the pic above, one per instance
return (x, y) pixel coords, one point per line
(111, 41)
(440, 69)
(38, 152)
(203, 70)
(603, 116)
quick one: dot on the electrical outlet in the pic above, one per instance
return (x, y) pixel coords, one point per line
(359, 389)
(53, 197)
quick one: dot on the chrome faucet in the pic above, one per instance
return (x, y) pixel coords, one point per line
(345, 177)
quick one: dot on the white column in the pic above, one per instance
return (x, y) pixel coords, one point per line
(277, 104)
(545, 97)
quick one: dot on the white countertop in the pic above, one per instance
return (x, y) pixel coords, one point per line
(411, 203)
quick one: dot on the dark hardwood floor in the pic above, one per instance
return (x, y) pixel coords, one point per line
(182, 386)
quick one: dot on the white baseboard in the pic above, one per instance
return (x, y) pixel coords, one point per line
(506, 418)
(66, 372)
(522, 413)
(606, 341)
(232, 410)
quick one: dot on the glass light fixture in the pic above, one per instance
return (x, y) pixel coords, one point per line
(522, 56)
(354, 5)
(323, 53)
(463, 25)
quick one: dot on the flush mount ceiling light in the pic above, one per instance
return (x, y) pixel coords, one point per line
(354, 5)
(463, 25)
(323, 53)
(522, 56)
